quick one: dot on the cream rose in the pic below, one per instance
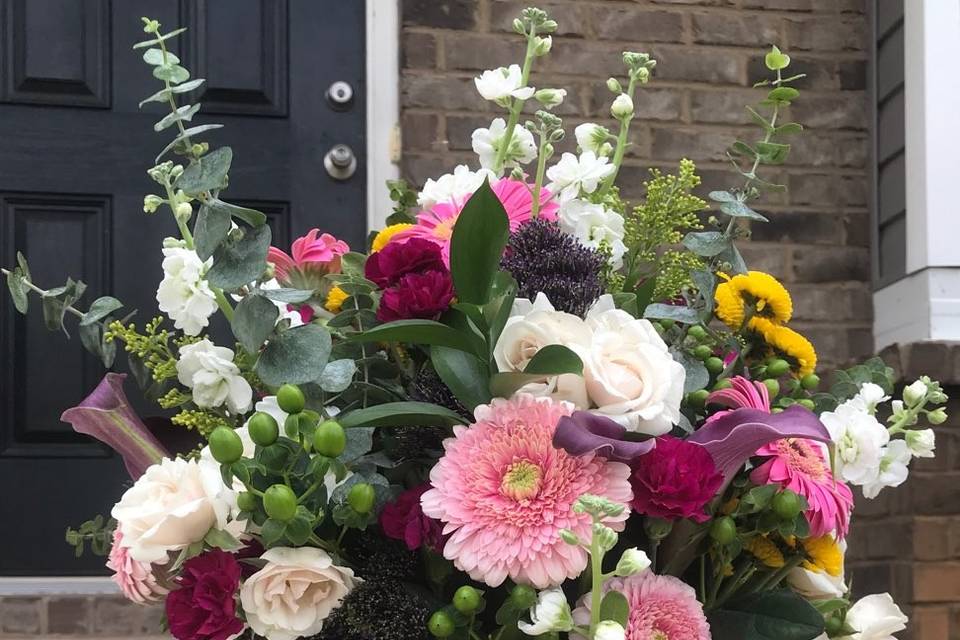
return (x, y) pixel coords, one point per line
(294, 593)
(629, 373)
(173, 504)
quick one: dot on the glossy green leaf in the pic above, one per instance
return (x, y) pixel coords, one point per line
(554, 359)
(253, 322)
(427, 332)
(465, 375)
(211, 228)
(772, 615)
(477, 244)
(237, 262)
(207, 173)
(614, 606)
(400, 414)
(296, 356)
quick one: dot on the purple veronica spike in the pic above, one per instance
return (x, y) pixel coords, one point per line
(585, 432)
(106, 415)
(736, 435)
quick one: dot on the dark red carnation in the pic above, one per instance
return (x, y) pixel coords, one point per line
(386, 267)
(417, 295)
(675, 480)
(204, 606)
(404, 520)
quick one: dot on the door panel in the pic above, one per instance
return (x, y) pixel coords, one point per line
(72, 179)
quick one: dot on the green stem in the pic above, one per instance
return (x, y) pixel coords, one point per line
(654, 547)
(596, 572)
(43, 292)
(703, 579)
(309, 491)
(223, 303)
(172, 102)
(744, 572)
(517, 104)
(622, 139)
(541, 169)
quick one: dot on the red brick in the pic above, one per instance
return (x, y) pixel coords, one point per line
(738, 28)
(930, 623)
(638, 26)
(936, 582)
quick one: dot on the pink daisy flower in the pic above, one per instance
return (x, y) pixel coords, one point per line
(661, 608)
(135, 579)
(799, 465)
(743, 394)
(312, 255)
(503, 493)
(436, 224)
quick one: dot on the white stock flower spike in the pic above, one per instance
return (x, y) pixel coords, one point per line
(184, 294)
(550, 614)
(487, 142)
(503, 84)
(209, 370)
(594, 225)
(575, 173)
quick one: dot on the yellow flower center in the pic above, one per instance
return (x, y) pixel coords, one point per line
(521, 481)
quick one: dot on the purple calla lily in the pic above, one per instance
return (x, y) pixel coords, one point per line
(735, 436)
(585, 432)
(106, 415)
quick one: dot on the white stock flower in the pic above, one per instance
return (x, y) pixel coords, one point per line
(591, 137)
(209, 370)
(859, 440)
(573, 173)
(487, 142)
(875, 617)
(630, 375)
(922, 442)
(550, 614)
(550, 98)
(869, 396)
(292, 595)
(172, 505)
(184, 294)
(914, 393)
(454, 186)
(610, 630)
(622, 107)
(632, 562)
(893, 469)
(593, 225)
(500, 85)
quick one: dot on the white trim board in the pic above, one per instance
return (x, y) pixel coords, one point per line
(58, 586)
(383, 106)
(923, 306)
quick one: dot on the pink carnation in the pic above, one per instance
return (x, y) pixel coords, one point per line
(675, 480)
(799, 465)
(504, 493)
(661, 608)
(135, 579)
(313, 255)
(436, 224)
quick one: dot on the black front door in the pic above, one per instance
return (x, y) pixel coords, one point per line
(74, 150)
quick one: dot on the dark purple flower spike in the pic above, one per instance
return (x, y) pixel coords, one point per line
(585, 432)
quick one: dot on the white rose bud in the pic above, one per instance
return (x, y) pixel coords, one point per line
(913, 394)
(542, 46)
(622, 107)
(610, 630)
(921, 442)
(632, 562)
(550, 98)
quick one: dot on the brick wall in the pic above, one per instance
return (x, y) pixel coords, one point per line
(709, 53)
(64, 617)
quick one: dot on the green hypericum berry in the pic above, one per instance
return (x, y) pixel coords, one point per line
(723, 530)
(777, 367)
(247, 501)
(806, 402)
(702, 352)
(263, 429)
(361, 497)
(225, 445)
(280, 502)
(714, 365)
(522, 597)
(833, 625)
(698, 398)
(810, 381)
(667, 323)
(441, 625)
(772, 386)
(697, 332)
(466, 600)
(329, 439)
(291, 399)
(787, 505)
(723, 383)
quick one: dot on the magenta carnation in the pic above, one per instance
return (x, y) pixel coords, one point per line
(417, 295)
(136, 579)
(504, 493)
(404, 520)
(436, 224)
(799, 465)
(675, 480)
(204, 606)
(385, 267)
(661, 608)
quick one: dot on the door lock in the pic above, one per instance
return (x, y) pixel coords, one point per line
(340, 162)
(340, 95)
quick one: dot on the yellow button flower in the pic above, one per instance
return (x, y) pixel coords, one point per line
(387, 234)
(765, 551)
(757, 290)
(789, 343)
(335, 300)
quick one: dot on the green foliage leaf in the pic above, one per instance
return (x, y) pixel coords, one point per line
(55, 302)
(722, 196)
(737, 209)
(337, 375)
(427, 332)
(253, 322)
(239, 261)
(290, 296)
(18, 290)
(155, 57)
(192, 131)
(184, 113)
(99, 309)
(614, 606)
(696, 375)
(742, 148)
(497, 311)
(776, 60)
(782, 95)
(172, 73)
(210, 229)
(222, 539)
(554, 359)
(157, 40)
(465, 374)
(296, 356)
(773, 615)
(479, 236)
(660, 311)
(788, 128)
(252, 217)
(400, 414)
(91, 337)
(734, 259)
(773, 152)
(706, 243)
(207, 173)
(164, 94)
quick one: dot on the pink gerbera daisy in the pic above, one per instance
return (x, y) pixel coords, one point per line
(503, 493)
(436, 224)
(799, 465)
(661, 608)
(313, 256)
(135, 579)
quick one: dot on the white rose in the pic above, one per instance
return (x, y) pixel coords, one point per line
(550, 614)
(184, 294)
(294, 593)
(893, 469)
(630, 375)
(175, 503)
(922, 442)
(594, 225)
(875, 617)
(859, 440)
(529, 329)
(453, 187)
(209, 370)
(500, 85)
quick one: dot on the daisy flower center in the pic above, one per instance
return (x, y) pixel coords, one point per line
(521, 480)
(801, 457)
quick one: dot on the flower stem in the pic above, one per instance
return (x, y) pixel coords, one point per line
(223, 303)
(541, 168)
(517, 104)
(596, 571)
(622, 138)
(43, 292)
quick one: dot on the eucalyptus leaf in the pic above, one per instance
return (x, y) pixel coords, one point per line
(738, 209)
(400, 414)
(290, 296)
(776, 59)
(184, 113)
(697, 376)
(172, 73)
(164, 94)
(253, 322)
(237, 262)
(788, 128)
(465, 375)
(773, 152)
(706, 243)
(183, 137)
(157, 57)
(359, 443)
(157, 40)
(660, 311)
(252, 217)
(722, 196)
(296, 356)
(99, 309)
(742, 148)
(476, 246)
(212, 226)
(783, 95)
(55, 302)
(207, 173)
(18, 291)
(734, 259)
(337, 375)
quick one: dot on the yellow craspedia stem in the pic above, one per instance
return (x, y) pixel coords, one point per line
(825, 555)
(787, 342)
(387, 234)
(335, 300)
(756, 290)
(765, 551)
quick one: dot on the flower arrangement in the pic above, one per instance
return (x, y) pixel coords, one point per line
(529, 409)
